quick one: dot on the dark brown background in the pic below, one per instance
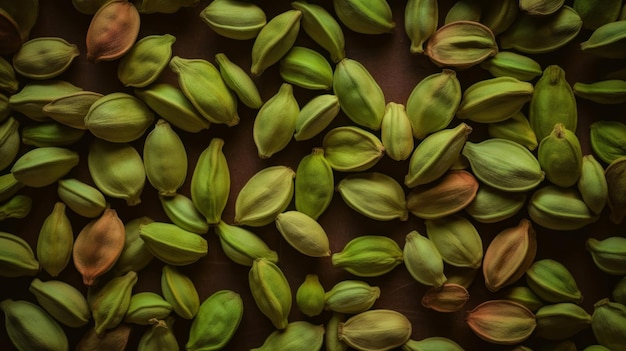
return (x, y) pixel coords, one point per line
(397, 71)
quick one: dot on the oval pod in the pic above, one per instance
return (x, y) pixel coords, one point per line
(216, 322)
(166, 174)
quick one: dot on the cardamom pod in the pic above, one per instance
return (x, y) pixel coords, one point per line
(367, 17)
(172, 244)
(114, 339)
(421, 18)
(560, 156)
(525, 296)
(597, 13)
(71, 109)
(516, 128)
(323, 28)
(166, 174)
(464, 10)
(314, 184)
(380, 329)
(5, 110)
(540, 7)
(11, 38)
(109, 303)
(461, 44)
(499, 16)
(501, 322)
(146, 305)
(492, 205)
(112, 31)
(561, 321)
(55, 241)
(182, 212)
(456, 240)
(242, 246)
(315, 116)
(396, 134)
(274, 40)
(611, 91)
(447, 298)
(233, 19)
(303, 233)
(18, 206)
(275, 123)
(310, 296)
(36, 94)
(210, 182)
(8, 81)
(43, 166)
(25, 333)
(135, 256)
(619, 291)
(16, 257)
(271, 292)
(451, 193)
(423, 260)
(145, 60)
(159, 337)
(434, 343)
(607, 140)
(559, 208)
(368, 256)
(615, 175)
(553, 282)
(9, 186)
(44, 57)
(331, 334)
(374, 195)
(462, 276)
(217, 321)
(119, 118)
(607, 41)
(511, 64)
(62, 301)
(351, 297)
(239, 81)
(607, 324)
(608, 254)
(299, 335)
(50, 134)
(352, 149)
(180, 292)
(306, 68)
(9, 142)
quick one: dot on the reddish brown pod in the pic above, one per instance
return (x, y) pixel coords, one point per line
(112, 31)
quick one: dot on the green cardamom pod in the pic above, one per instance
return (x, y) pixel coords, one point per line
(210, 182)
(275, 123)
(135, 256)
(43, 166)
(447, 298)
(379, 329)
(559, 208)
(607, 41)
(542, 34)
(368, 256)
(9, 142)
(18, 206)
(145, 61)
(331, 334)
(8, 81)
(62, 301)
(35, 95)
(109, 303)
(499, 16)
(160, 336)
(352, 149)
(55, 241)
(552, 90)
(619, 291)
(217, 321)
(271, 292)
(180, 292)
(323, 28)
(434, 343)
(114, 339)
(310, 296)
(239, 81)
(5, 110)
(351, 297)
(166, 174)
(454, 191)
(492, 205)
(607, 140)
(306, 68)
(50, 134)
(119, 118)
(374, 195)
(303, 233)
(608, 254)
(561, 321)
(553, 282)
(464, 10)
(182, 212)
(456, 240)
(243, 246)
(396, 134)
(266, 194)
(81, 198)
(421, 18)
(560, 156)
(146, 305)
(615, 175)
(596, 13)
(423, 260)
(315, 116)
(31, 328)
(274, 40)
(517, 129)
(72, 108)
(501, 322)
(16, 257)
(511, 64)
(602, 92)
(607, 323)
(234, 19)
(525, 296)
(367, 17)
(540, 7)
(9, 186)
(314, 184)
(299, 335)
(172, 244)
(44, 57)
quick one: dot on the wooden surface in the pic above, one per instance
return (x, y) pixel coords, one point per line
(397, 71)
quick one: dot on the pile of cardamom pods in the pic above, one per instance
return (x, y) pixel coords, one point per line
(308, 175)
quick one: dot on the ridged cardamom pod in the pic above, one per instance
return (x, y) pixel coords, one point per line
(315, 116)
(560, 156)
(423, 260)
(352, 149)
(210, 182)
(360, 96)
(608, 324)
(239, 81)
(517, 129)
(501, 322)
(456, 240)
(55, 241)
(98, 246)
(374, 195)
(298, 335)
(110, 302)
(112, 31)
(271, 292)
(114, 339)
(18, 206)
(351, 297)
(159, 337)
(50, 134)
(608, 139)
(525, 296)
(447, 298)
(615, 175)
(606, 41)
(203, 85)
(379, 329)
(542, 34)
(509, 255)
(180, 292)
(561, 321)
(172, 244)
(8, 81)
(9, 186)
(511, 64)
(25, 15)
(451, 193)
(9, 142)
(145, 60)
(274, 40)
(266, 194)
(368, 256)
(216, 322)
(461, 44)
(146, 305)
(596, 13)
(396, 134)
(314, 185)
(462, 276)
(182, 212)
(43, 166)
(611, 91)
(464, 10)
(367, 17)
(492, 205)
(36, 94)
(71, 109)
(421, 18)
(504, 164)
(433, 343)
(166, 174)
(117, 170)
(12, 39)
(31, 328)
(608, 254)
(44, 57)
(310, 296)
(499, 16)
(16, 257)
(306, 68)
(242, 246)
(323, 28)
(119, 118)
(540, 7)
(62, 301)
(275, 123)
(233, 19)
(331, 334)
(303, 233)
(559, 208)
(5, 110)
(135, 256)
(553, 282)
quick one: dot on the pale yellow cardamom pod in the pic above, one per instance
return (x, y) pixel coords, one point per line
(367, 17)
(457, 241)
(303, 233)
(516, 128)
(351, 297)
(81, 198)
(182, 212)
(315, 116)
(234, 19)
(379, 329)
(511, 64)
(50, 134)
(492, 205)
(607, 323)
(606, 41)
(552, 90)
(239, 81)
(306, 68)
(612, 91)
(421, 18)
(166, 174)
(396, 134)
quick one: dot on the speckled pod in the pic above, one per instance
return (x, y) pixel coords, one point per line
(118, 118)
(306, 68)
(180, 292)
(315, 116)
(421, 18)
(112, 31)
(367, 17)
(553, 282)
(423, 261)
(379, 329)
(461, 44)
(63, 301)
(216, 322)
(166, 174)
(299, 335)
(457, 241)
(322, 27)
(239, 81)
(275, 123)
(560, 208)
(607, 41)
(243, 246)
(352, 149)
(44, 57)
(43, 166)
(274, 40)
(234, 19)
(16, 257)
(511, 64)
(110, 302)
(560, 156)
(71, 109)
(369, 256)
(145, 61)
(271, 292)
(55, 241)
(25, 334)
(303, 233)
(374, 195)
(172, 244)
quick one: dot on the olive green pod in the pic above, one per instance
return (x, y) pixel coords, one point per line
(159, 337)
(461, 44)
(607, 41)
(216, 322)
(561, 321)
(421, 18)
(44, 57)
(145, 61)
(182, 212)
(608, 139)
(117, 170)
(234, 19)
(607, 323)
(119, 118)
(8, 81)
(239, 82)
(560, 156)
(367, 17)
(423, 260)
(5, 110)
(511, 64)
(172, 244)
(559, 209)
(314, 184)
(165, 159)
(602, 92)
(615, 175)
(109, 302)
(619, 291)
(62, 301)
(310, 296)
(396, 134)
(492, 205)
(303, 233)
(55, 241)
(360, 96)
(315, 116)
(29, 327)
(464, 10)
(18, 206)
(596, 13)
(500, 15)
(243, 246)
(434, 343)
(135, 256)
(9, 186)
(9, 142)
(179, 290)
(299, 335)
(351, 297)
(81, 198)
(517, 129)
(275, 123)
(592, 184)
(368, 256)
(306, 68)
(323, 28)
(456, 240)
(274, 40)
(525, 296)
(540, 7)
(352, 149)
(379, 329)
(71, 109)
(16, 257)
(374, 195)
(553, 282)
(43, 166)
(271, 292)
(146, 305)
(608, 254)
(36, 94)
(50, 134)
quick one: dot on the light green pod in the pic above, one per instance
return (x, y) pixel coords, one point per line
(31, 328)
(315, 116)
(9, 142)
(464, 10)
(203, 85)
(275, 123)
(271, 292)
(492, 205)
(234, 19)
(18, 206)
(216, 322)
(421, 18)
(608, 254)
(239, 82)
(561, 321)
(517, 129)
(540, 7)
(461, 44)
(525, 296)
(360, 96)
(81, 198)
(117, 170)
(592, 184)
(559, 209)
(118, 118)
(145, 60)
(210, 182)
(9, 186)
(303, 233)
(274, 40)
(323, 28)
(170, 103)
(35, 95)
(351, 297)
(607, 41)
(50, 134)
(504, 164)
(352, 149)
(299, 335)
(55, 241)
(314, 184)
(456, 240)
(433, 102)
(109, 303)
(553, 282)
(423, 260)
(367, 17)
(434, 343)
(146, 305)
(435, 154)
(596, 13)
(16, 257)
(306, 68)
(368, 256)
(182, 212)
(8, 81)
(135, 256)
(243, 246)
(159, 337)
(266, 194)
(166, 174)
(499, 16)
(374, 195)
(172, 244)
(164, 6)
(396, 134)
(542, 34)
(608, 324)
(511, 64)
(310, 296)
(379, 329)
(44, 57)
(43, 166)
(560, 156)
(179, 290)
(62, 301)
(331, 333)
(608, 140)
(71, 109)
(602, 92)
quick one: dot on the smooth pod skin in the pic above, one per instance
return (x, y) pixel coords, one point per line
(352, 149)
(367, 17)
(322, 27)
(274, 40)
(217, 321)
(31, 328)
(374, 195)
(461, 44)
(234, 19)
(145, 61)
(44, 165)
(166, 174)
(55, 241)
(314, 184)
(44, 57)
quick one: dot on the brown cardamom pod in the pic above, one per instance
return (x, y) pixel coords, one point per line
(112, 31)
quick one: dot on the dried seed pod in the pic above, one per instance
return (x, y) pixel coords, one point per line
(182, 212)
(447, 298)
(210, 182)
(367, 17)
(112, 31)
(501, 322)
(517, 129)
(596, 13)
(274, 40)
(461, 44)
(559, 208)
(50, 134)
(553, 282)
(314, 185)
(145, 61)
(63, 301)
(306, 68)
(303, 233)
(166, 174)
(368, 256)
(421, 18)
(511, 64)
(352, 149)
(145, 306)
(607, 41)
(322, 27)
(423, 261)
(380, 329)
(351, 297)
(560, 156)
(271, 292)
(612, 91)
(457, 240)
(118, 118)
(55, 241)
(36, 94)
(43, 166)
(217, 321)
(396, 134)
(492, 205)
(239, 81)
(179, 290)
(561, 321)
(71, 109)
(16, 257)
(374, 195)
(159, 337)
(44, 57)
(607, 323)
(242, 246)
(81, 198)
